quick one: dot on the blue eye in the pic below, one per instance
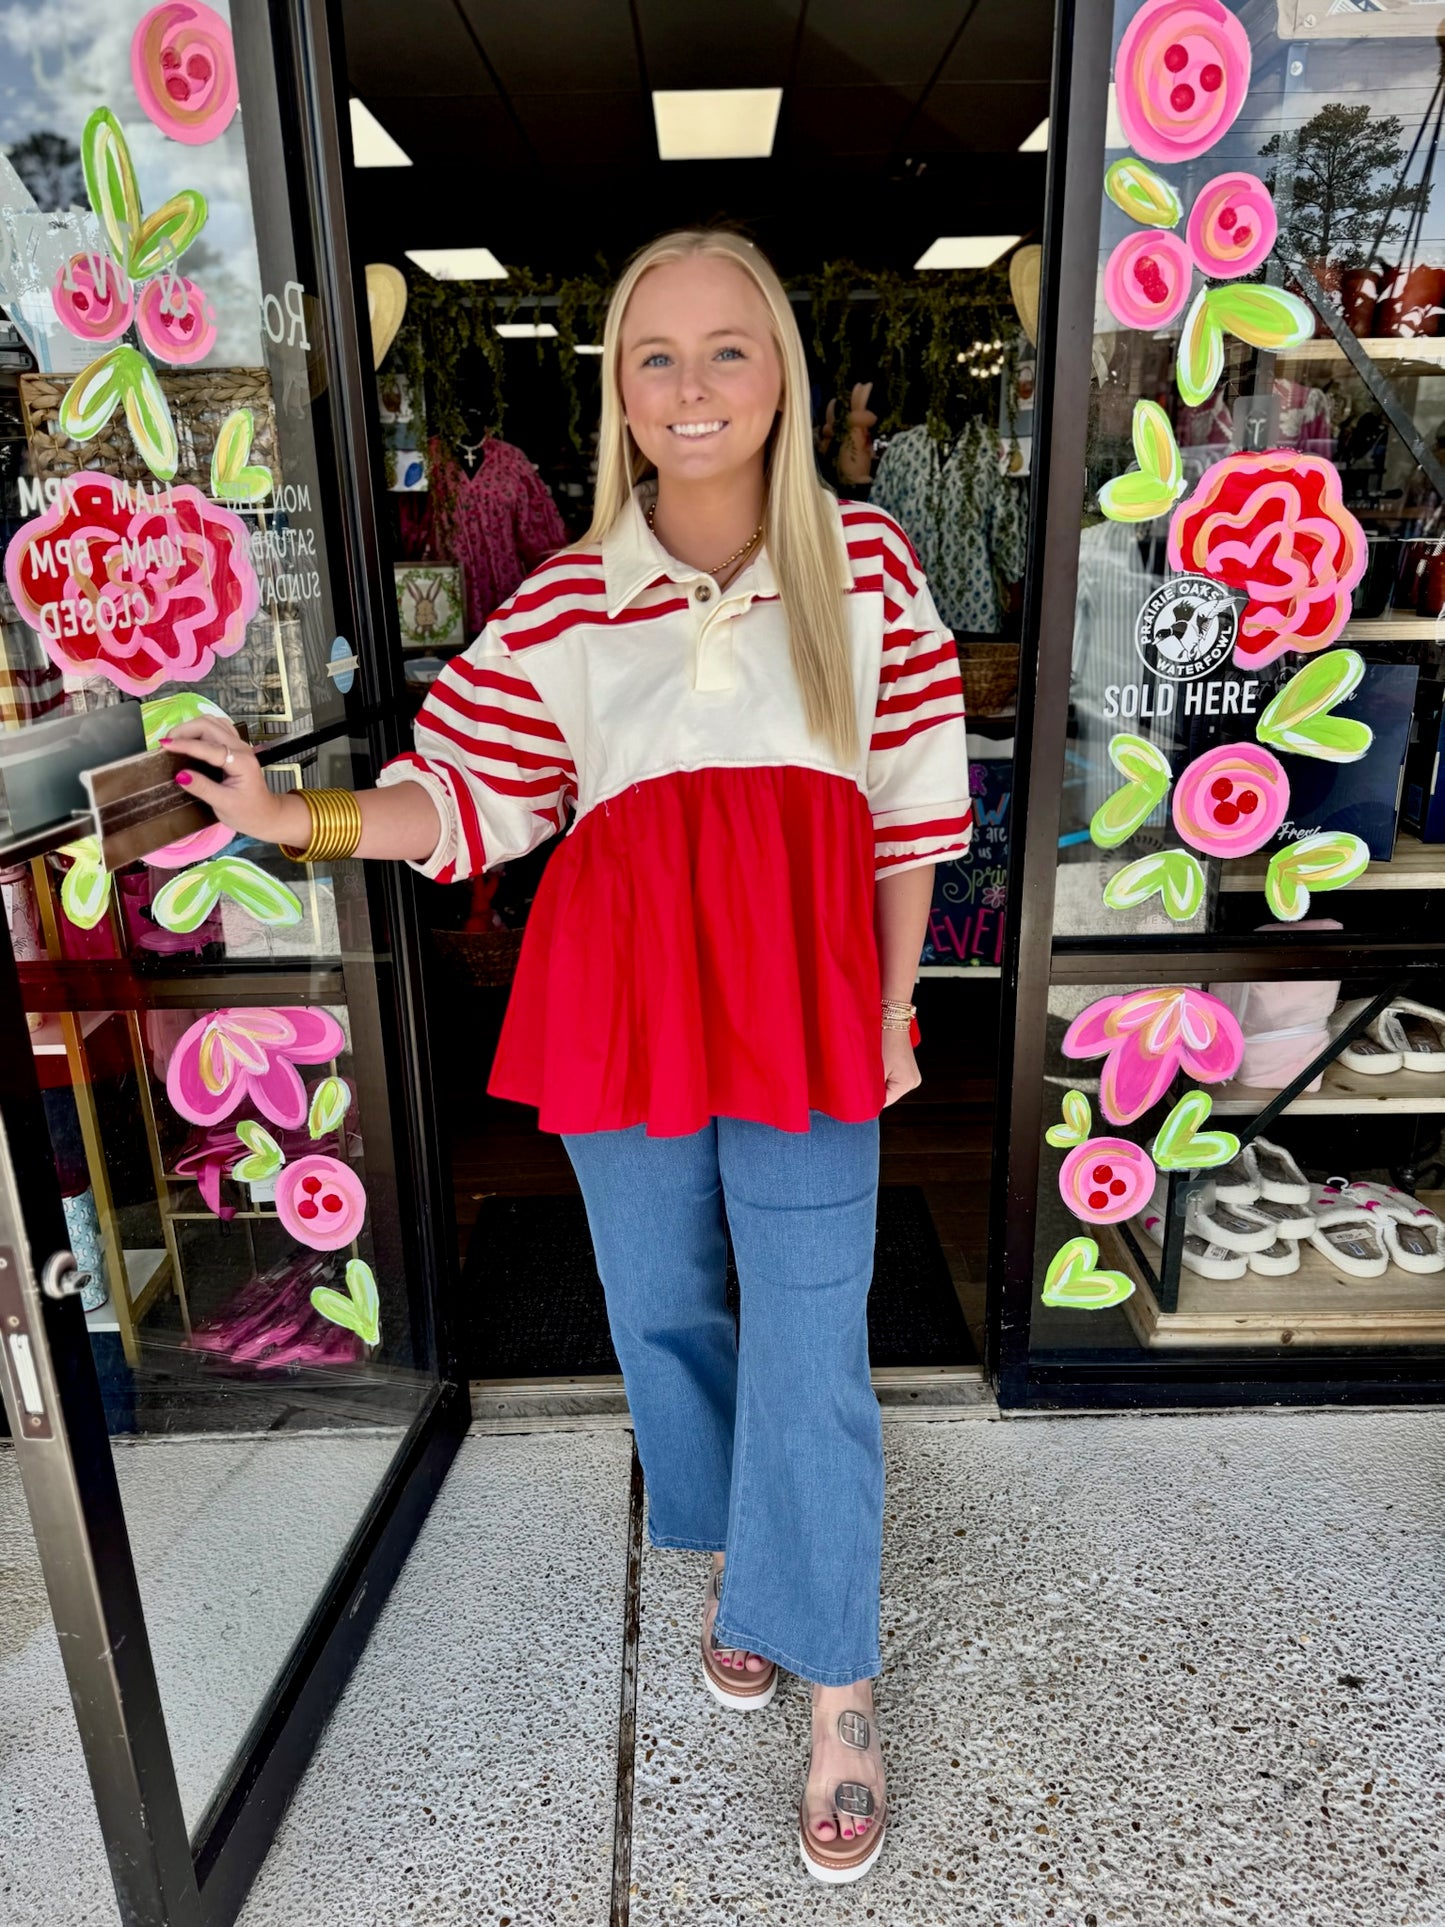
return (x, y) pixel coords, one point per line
(654, 361)
(731, 351)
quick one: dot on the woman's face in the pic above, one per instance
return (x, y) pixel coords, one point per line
(700, 374)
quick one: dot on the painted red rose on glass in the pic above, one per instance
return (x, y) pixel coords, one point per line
(145, 589)
(1274, 527)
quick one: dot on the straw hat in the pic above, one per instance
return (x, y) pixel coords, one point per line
(1023, 282)
(386, 304)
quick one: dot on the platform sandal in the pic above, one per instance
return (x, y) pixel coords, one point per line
(744, 1692)
(838, 1861)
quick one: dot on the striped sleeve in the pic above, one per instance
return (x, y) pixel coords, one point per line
(918, 754)
(492, 760)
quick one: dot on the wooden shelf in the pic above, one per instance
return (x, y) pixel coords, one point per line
(49, 1039)
(142, 1268)
(1399, 626)
(1316, 1305)
(1342, 1090)
(1405, 354)
(1414, 866)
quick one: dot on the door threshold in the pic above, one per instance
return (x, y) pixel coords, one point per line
(927, 1390)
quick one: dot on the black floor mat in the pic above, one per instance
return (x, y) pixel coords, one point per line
(535, 1307)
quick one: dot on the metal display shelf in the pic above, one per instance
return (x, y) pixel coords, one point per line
(1342, 1089)
(1406, 354)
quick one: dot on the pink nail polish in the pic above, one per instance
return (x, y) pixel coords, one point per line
(183, 776)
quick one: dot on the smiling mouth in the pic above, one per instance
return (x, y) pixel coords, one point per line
(695, 431)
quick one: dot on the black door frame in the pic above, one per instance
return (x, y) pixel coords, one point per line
(1035, 958)
(162, 1879)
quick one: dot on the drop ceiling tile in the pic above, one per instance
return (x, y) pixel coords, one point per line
(979, 119)
(419, 48)
(857, 42)
(572, 44)
(750, 45)
(575, 129)
(1004, 40)
(452, 132)
(832, 122)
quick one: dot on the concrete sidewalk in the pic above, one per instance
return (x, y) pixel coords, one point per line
(1137, 1670)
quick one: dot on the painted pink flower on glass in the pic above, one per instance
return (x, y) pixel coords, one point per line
(92, 298)
(1147, 1037)
(184, 69)
(234, 1056)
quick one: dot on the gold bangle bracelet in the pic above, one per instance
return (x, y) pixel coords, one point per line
(335, 827)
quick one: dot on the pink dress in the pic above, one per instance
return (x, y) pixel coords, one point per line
(702, 943)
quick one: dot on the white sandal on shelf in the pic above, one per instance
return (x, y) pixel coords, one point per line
(1238, 1227)
(1414, 1235)
(1380, 1047)
(1422, 1030)
(1349, 1233)
(1279, 1261)
(1291, 1221)
(1198, 1253)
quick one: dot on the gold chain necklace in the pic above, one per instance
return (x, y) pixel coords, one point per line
(737, 554)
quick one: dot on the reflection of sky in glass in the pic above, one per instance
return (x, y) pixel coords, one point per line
(1389, 76)
(59, 59)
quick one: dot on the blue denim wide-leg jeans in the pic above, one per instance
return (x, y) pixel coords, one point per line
(764, 1441)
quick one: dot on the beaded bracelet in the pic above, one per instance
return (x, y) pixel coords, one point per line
(901, 1016)
(335, 827)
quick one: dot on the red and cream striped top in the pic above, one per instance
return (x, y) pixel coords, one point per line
(702, 942)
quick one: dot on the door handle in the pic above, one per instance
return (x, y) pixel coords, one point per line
(19, 1348)
(62, 1276)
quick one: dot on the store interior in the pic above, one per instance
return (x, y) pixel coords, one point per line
(893, 136)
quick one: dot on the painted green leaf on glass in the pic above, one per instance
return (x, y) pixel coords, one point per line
(1263, 316)
(266, 1157)
(1183, 1146)
(162, 714)
(85, 887)
(263, 896)
(163, 237)
(1155, 449)
(1147, 778)
(1149, 490)
(330, 1102)
(232, 478)
(359, 1310)
(1174, 875)
(90, 400)
(1135, 497)
(149, 415)
(184, 903)
(1077, 1124)
(110, 180)
(1146, 197)
(1298, 718)
(1326, 861)
(1075, 1279)
(1200, 361)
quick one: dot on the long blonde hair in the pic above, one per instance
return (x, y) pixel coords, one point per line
(800, 517)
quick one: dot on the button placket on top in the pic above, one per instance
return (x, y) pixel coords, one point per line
(713, 651)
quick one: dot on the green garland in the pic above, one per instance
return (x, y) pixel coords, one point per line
(950, 334)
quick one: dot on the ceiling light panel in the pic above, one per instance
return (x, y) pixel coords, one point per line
(966, 250)
(716, 123)
(371, 145)
(526, 331)
(1038, 141)
(458, 264)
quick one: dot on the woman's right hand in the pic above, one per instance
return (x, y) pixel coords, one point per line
(237, 793)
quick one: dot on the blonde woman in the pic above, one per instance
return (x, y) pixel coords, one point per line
(740, 690)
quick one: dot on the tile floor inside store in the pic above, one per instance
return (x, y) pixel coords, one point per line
(1137, 1670)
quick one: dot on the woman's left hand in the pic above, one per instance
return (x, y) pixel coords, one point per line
(900, 1066)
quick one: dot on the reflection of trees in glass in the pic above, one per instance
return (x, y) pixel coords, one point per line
(1346, 168)
(50, 167)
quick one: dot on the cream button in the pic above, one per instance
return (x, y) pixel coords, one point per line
(703, 592)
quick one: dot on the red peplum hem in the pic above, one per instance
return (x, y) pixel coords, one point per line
(702, 946)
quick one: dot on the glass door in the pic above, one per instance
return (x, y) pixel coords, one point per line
(229, 1389)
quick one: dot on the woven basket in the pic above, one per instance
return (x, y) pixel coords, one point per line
(200, 401)
(990, 675)
(479, 959)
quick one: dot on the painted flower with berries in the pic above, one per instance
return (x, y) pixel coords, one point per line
(1273, 527)
(143, 589)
